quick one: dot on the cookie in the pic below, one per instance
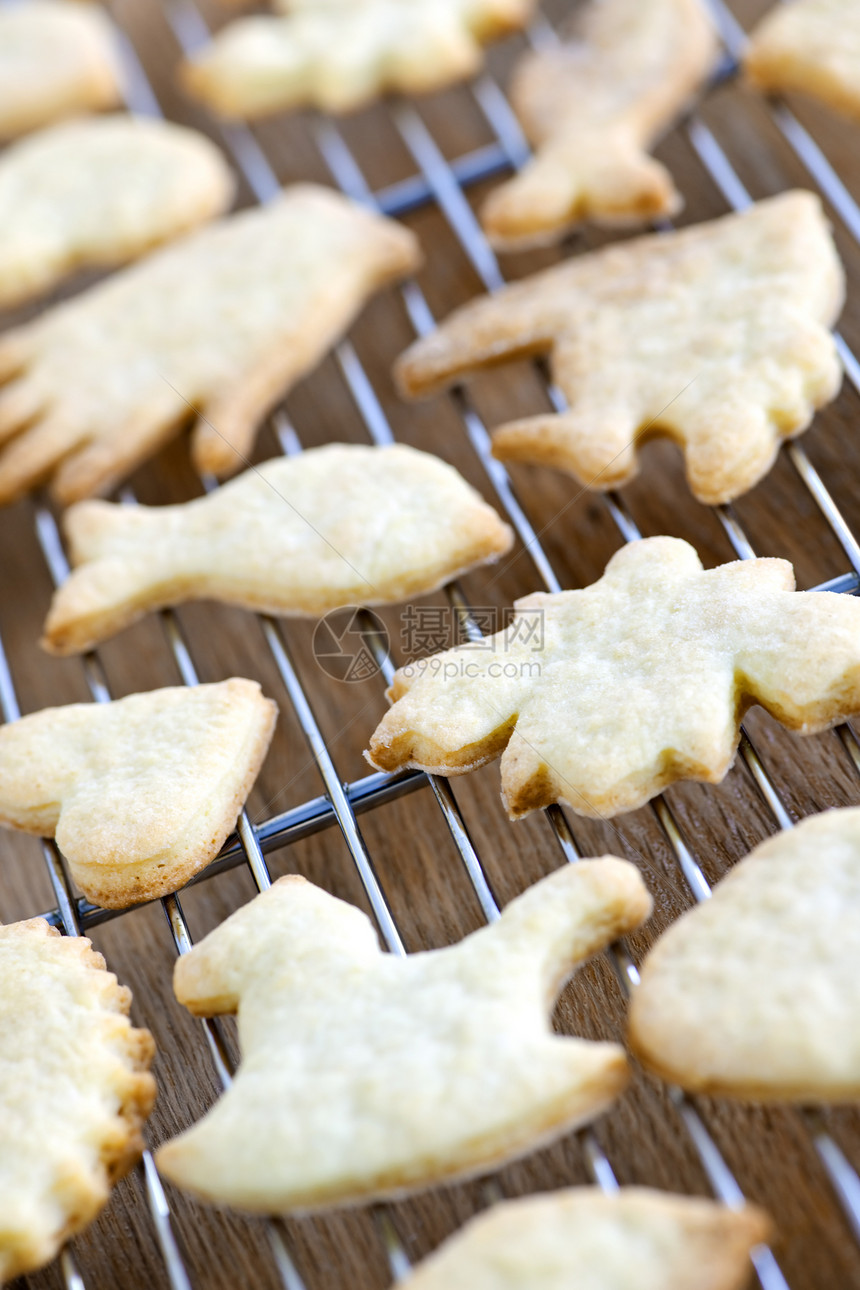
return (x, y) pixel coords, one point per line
(812, 46)
(74, 1090)
(340, 525)
(341, 54)
(219, 324)
(633, 1239)
(140, 793)
(602, 697)
(593, 107)
(715, 336)
(443, 1065)
(98, 192)
(753, 994)
(55, 59)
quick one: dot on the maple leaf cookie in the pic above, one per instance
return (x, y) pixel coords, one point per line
(340, 54)
(809, 45)
(602, 697)
(443, 1065)
(715, 336)
(593, 106)
(55, 59)
(139, 793)
(753, 994)
(220, 324)
(98, 192)
(74, 1090)
(633, 1239)
(340, 525)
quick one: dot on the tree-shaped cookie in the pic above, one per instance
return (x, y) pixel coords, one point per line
(56, 59)
(633, 1239)
(809, 45)
(139, 793)
(221, 324)
(593, 107)
(340, 525)
(99, 192)
(367, 1075)
(339, 54)
(754, 994)
(601, 697)
(74, 1090)
(715, 336)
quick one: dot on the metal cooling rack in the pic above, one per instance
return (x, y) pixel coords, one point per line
(442, 182)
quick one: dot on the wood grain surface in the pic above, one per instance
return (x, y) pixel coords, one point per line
(770, 1152)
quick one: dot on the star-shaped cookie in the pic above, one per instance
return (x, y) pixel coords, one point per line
(754, 994)
(593, 107)
(715, 336)
(633, 1239)
(340, 525)
(74, 1090)
(56, 59)
(140, 793)
(340, 54)
(809, 45)
(367, 1075)
(220, 323)
(602, 697)
(98, 192)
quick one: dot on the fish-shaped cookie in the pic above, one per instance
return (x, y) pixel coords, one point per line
(339, 525)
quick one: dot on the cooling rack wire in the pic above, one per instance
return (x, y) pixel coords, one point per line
(442, 182)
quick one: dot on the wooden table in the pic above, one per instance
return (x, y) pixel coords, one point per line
(771, 1153)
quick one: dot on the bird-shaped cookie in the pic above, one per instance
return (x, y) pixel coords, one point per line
(365, 1074)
